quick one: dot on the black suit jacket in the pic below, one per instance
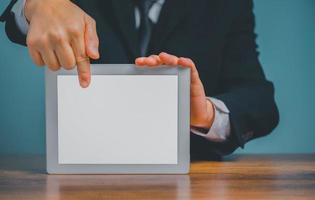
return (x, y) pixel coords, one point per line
(218, 35)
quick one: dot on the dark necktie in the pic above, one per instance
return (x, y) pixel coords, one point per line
(145, 28)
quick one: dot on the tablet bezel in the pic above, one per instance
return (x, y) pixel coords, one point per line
(182, 167)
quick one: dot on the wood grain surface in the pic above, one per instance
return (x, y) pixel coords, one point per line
(236, 177)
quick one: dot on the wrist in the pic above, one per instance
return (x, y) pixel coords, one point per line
(32, 6)
(29, 8)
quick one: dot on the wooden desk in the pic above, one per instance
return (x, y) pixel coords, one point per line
(237, 177)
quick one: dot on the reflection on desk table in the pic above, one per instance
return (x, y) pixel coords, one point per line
(236, 177)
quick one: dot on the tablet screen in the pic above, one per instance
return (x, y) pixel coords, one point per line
(118, 119)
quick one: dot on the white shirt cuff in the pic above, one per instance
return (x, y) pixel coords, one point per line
(21, 22)
(221, 128)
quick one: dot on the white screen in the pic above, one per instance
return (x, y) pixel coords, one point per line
(118, 119)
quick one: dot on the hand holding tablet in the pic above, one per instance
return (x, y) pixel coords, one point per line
(202, 110)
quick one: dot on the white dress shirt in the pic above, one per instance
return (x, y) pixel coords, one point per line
(220, 129)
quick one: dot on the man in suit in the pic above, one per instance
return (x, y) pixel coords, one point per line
(231, 100)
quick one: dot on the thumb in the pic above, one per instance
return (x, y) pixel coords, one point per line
(91, 38)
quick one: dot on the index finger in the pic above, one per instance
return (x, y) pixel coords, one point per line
(82, 61)
(84, 72)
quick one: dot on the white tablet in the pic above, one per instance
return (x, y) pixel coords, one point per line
(129, 120)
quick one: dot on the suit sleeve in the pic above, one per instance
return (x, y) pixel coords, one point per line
(11, 28)
(243, 87)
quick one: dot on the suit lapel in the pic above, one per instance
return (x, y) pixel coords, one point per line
(173, 12)
(124, 13)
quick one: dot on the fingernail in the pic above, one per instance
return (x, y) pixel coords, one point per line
(84, 83)
(140, 59)
(94, 51)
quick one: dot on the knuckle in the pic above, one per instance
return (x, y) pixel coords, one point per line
(57, 37)
(75, 30)
(190, 60)
(153, 56)
(90, 19)
(43, 41)
(31, 41)
(93, 22)
(81, 56)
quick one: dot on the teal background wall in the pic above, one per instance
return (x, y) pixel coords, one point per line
(286, 38)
